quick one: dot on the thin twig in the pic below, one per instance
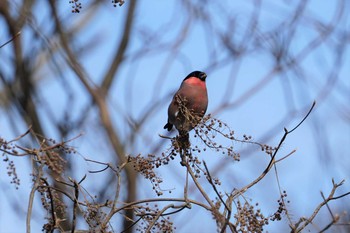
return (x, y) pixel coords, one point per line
(210, 180)
(31, 199)
(162, 200)
(307, 115)
(272, 160)
(30, 206)
(186, 186)
(274, 164)
(343, 195)
(10, 40)
(22, 135)
(213, 185)
(51, 199)
(108, 165)
(58, 190)
(75, 205)
(116, 198)
(329, 209)
(286, 156)
(307, 221)
(133, 224)
(149, 228)
(199, 187)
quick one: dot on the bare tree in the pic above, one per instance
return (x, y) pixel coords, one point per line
(57, 96)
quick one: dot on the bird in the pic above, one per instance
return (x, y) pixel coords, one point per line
(189, 104)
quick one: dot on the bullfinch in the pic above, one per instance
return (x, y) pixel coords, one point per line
(189, 104)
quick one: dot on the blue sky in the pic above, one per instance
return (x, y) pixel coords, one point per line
(155, 74)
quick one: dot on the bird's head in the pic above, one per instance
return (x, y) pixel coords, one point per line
(197, 74)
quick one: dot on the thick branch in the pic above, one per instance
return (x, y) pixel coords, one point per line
(119, 55)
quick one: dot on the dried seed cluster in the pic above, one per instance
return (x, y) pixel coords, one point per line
(149, 215)
(119, 2)
(94, 216)
(217, 216)
(10, 149)
(268, 149)
(53, 160)
(146, 166)
(51, 201)
(51, 154)
(76, 5)
(248, 219)
(277, 216)
(208, 130)
(11, 171)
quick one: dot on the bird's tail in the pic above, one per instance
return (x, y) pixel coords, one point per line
(184, 143)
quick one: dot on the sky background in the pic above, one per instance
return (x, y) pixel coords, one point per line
(153, 69)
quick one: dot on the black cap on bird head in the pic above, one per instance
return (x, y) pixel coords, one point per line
(198, 74)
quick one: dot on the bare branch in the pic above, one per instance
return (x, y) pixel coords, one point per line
(10, 40)
(306, 221)
(119, 55)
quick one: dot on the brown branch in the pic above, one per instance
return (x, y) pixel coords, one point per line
(272, 160)
(335, 219)
(307, 221)
(149, 228)
(119, 55)
(115, 200)
(199, 187)
(302, 55)
(343, 195)
(30, 207)
(23, 73)
(286, 156)
(58, 190)
(210, 180)
(10, 40)
(186, 187)
(100, 100)
(275, 161)
(179, 208)
(128, 205)
(51, 199)
(75, 205)
(108, 165)
(31, 199)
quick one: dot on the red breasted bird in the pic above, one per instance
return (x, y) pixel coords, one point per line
(189, 104)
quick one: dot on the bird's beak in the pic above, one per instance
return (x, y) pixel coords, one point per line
(203, 76)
